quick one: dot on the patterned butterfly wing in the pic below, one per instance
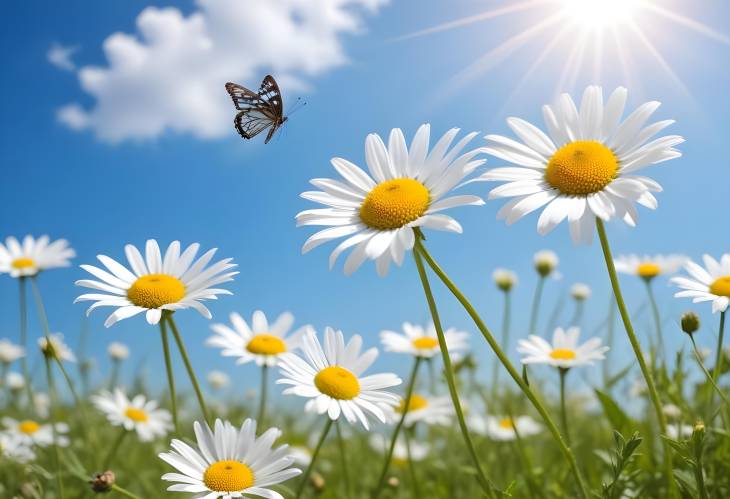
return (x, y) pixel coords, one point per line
(257, 111)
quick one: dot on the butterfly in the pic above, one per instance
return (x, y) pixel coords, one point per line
(257, 111)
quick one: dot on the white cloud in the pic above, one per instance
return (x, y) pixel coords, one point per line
(60, 56)
(171, 75)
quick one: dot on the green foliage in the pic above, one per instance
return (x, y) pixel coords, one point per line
(623, 479)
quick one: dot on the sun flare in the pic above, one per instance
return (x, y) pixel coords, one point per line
(598, 14)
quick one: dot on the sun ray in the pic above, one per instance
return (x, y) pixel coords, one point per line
(687, 23)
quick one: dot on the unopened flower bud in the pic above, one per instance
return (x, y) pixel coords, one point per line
(504, 279)
(102, 482)
(317, 482)
(690, 322)
(546, 262)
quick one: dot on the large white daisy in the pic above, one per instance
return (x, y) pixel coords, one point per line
(585, 167)
(564, 352)
(229, 462)
(406, 188)
(648, 267)
(423, 342)
(156, 283)
(711, 283)
(332, 378)
(138, 414)
(31, 432)
(33, 255)
(261, 342)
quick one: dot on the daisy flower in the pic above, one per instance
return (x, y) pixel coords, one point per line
(229, 462)
(13, 448)
(141, 415)
(218, 380)
(546, 262)
(33, 255)
(504, 428)
(419, 450)
(423, 342)
(30, 432)
(580, 291)
(564, 352)
(648, 267)
(14, 381)
(156, 283)
(261, 343)
(10, 352)
(504, 279)
(117, 351)
(425, 409)
(711, 283)
(585, 167)
(680, 431)
(406, 188)
(54, 347)
(332, 378)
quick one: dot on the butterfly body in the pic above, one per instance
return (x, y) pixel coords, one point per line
(257, 111)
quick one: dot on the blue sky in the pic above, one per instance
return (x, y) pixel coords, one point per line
(242, 196)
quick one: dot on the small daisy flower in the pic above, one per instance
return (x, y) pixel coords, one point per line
(218, 380)
(711, 283)
(261, 343)
(648, 267)
(229, 462)
(33, 255)
(504, 279)
(671, 411)
(10, 352)
(423, 409)
(546, 262)
(13, 448)
(423, 342)
(564, 352)
(502, 428)
(418, 450)
(332, 378)
(117, 351)
(54, 347)
(580, 291)
(376, 213)
(585, 167)
(30, 432)
(156, 283)
(14, 381)
(141, 415)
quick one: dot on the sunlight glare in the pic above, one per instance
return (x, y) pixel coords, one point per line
(596, 14)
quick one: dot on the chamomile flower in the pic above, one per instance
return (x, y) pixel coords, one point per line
(423, 342)
(156, 283)
(10, 352)
(229, 462)
(423, 409)
(546, 263)
(33, 255)
(54, 347)
(406, 188)
(261, 342)
(711, 283)
(580, 291)
(332, 378)
(418, 450)
(648, 267)
(564, 352)
(504, 279)
(31, 432)
(585, 167)
(138, 414)
(504, 428)
(218, 380)
(117, 351)
(14, 381)
(15, 449)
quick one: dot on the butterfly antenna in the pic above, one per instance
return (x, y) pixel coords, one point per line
(297, 106)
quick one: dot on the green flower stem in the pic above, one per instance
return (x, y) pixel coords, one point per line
(411, 467)
(536, 304)
(398, 426)
(504, 344)
(668, 468)
(114, 448)
(486, 484)
(657, 324)
(718, 356)
(610, 327)
(114, 376)
(567, 453)
(54, 419)
(262, 404)
(189, 367)
(343, 459)
(116, 488)
(168, 368)
(308, 471)
(709, 377)
(563, 412)
(578, 313)
(23, 305)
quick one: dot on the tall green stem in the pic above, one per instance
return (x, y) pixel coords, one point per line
(626, 319)
(514, 374)
(114, 448)
(168, 368)
(504, 344)
(610, 327)
(54, 420)
(709, 377)
(563, 412)
(536, 304)
(486, 484)
(398, 426)
(114, 375)
(718, 355)
(189, 367)
(657, 323)
(262, 404)
(308, 471)
(23, 303)
(411, 467)
(343, 459)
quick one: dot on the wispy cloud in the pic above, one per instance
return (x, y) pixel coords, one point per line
(60, 56)
(170, 75)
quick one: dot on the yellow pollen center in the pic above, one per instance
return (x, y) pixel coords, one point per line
(425, 343)
(28, 427)
(337, 382)
(266, 344)
(135, 414)
(581, 168)
(228, 476)
(394, 203)
(506, 423)
(563, 354)
(721, 286)
(648, 270)
(417, 402)
(155, 290)
(23, 263)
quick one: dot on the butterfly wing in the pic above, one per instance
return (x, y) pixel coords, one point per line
(270, 93)
(250, 123)
(257, 111)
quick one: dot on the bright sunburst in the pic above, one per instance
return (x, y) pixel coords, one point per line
(597, 14)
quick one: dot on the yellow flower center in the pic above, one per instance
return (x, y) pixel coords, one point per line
(23, 263)
(417, 402)
(337, 382)
(648, 270)
(425, 343)
(28, 427)
(563, 354)
(135, 414)
(266, 344)
(155, 290)
(507, 424)
(394, 203)
(581, 168)
(721, 286)
(228, 476)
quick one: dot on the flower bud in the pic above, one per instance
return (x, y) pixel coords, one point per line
(690, 322)
(102, 482)
(504, 279)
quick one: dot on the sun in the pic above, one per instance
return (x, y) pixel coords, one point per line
(598, 14)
